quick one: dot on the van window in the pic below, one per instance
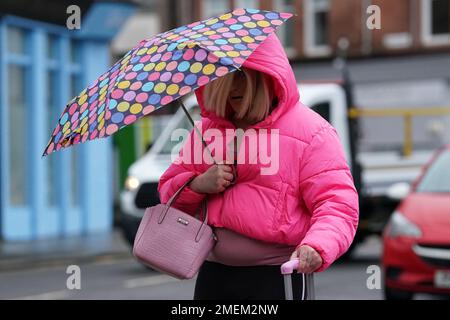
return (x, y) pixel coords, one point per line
(323, 109)
(169, 145)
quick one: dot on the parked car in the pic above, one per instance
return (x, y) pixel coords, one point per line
(416, 240)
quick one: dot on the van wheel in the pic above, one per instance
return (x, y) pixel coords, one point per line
(395, 294)
(348, 254)
(129, 226)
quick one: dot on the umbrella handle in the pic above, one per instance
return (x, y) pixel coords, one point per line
(196, 130)
(234, 173)
(204, 143)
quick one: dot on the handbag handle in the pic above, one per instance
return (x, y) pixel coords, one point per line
(174, 197)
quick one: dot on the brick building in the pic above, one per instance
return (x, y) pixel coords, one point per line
(407, 26)
(404, 63)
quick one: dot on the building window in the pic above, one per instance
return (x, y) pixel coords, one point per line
(213, 8)
(18, 86)
(247, 4)
(74, 53)
(17, 134)
(55, 63)
(286, 31)
(51, 109)
(316, 26)
(51, 105)
(435, 22)
(16, 40)
(51, 47)
(75, 88)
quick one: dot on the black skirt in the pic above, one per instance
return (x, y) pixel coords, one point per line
(217, 281)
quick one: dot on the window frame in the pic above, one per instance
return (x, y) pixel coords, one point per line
(21, 60)
(29, 220)
(428, 38)
(279, 5)
(310, 48)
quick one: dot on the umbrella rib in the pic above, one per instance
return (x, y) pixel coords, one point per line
(205, 48)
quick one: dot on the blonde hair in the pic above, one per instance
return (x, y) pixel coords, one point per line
(256, 101)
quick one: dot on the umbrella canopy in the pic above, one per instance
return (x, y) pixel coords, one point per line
(160, 70)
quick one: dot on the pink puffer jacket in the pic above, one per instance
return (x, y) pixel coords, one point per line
(311, 199)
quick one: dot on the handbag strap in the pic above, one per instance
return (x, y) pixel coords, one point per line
(203, 207)
(175, 196)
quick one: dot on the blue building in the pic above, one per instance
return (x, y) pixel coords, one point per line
(42, 65)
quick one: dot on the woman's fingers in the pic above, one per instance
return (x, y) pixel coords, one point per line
(225, 167)
(310, 259)
(303, 266)
(225, 183)
(227, 176)
(294, 255)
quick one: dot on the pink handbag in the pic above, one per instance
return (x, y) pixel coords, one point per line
(174, 242)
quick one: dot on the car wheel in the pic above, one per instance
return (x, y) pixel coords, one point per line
(129, 228)
(395, 294)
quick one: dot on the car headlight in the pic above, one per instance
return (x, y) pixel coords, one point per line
(399, 225)
(131, 183)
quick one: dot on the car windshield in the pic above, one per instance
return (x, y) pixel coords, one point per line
(174, 145)
(437, 177)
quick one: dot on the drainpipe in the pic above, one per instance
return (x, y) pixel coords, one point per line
(366, 34)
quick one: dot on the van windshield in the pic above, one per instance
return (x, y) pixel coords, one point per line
(174, 146)
(437, 177)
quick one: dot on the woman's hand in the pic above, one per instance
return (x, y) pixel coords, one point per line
(214, 180)
(310, 259)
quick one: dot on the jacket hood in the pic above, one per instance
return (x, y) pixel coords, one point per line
(270, 58)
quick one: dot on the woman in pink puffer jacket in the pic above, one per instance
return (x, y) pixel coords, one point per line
(300, 204)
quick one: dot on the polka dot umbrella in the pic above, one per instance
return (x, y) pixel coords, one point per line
(160, 70)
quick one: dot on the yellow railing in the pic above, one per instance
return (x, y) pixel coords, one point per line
(407, 114)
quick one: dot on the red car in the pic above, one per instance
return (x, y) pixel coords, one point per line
(416, 248)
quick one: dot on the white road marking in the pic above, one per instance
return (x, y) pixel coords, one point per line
(149, 281)
(53, 295)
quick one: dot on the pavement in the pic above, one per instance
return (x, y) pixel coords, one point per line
(103, 276)
(44, 253)
(107, 270)
(23, 255)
